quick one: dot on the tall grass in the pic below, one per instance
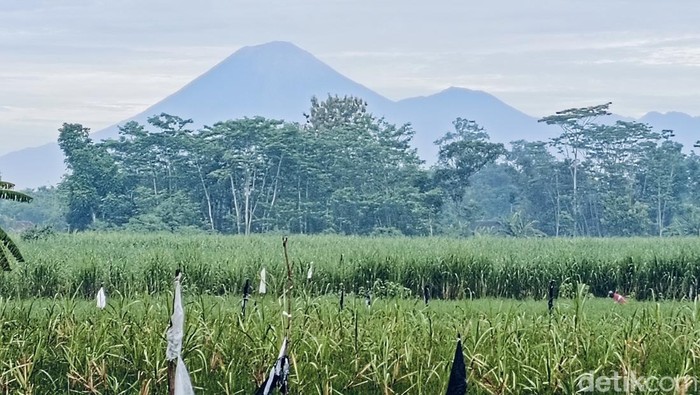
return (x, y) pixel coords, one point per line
(394, 347)
(53, 340)
(453, 268)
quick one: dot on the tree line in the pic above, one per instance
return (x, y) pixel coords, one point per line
(347, 171)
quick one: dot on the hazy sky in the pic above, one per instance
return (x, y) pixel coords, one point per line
(98, 62)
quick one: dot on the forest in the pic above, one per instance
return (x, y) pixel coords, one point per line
(346, 171)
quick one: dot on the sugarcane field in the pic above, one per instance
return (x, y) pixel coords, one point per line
(106, 313)
(349, 197)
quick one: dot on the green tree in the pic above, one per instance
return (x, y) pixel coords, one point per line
(92, 176)
(343, 171)
(256, 155)
(165, 162)
(662, 180)
(47, 209)
(614, 154)
(365, 174)
(7, 246)
(687, 219)
(171, 213)
(540, 180)
(462, 153)
(576, 124)
(516, 225)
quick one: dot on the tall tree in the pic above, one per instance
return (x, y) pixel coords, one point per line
(572, 143)
(365, 170)
(687, 219)
(615, 152)
(254, 152)
(662, 179)
(462, 152)
(92, 176)
(539, 181)
(7, 246)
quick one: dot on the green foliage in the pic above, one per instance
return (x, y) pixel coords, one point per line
(386, 289)
(397, 344)
(92, 177)
(687, 222)
(516, 225)
(7, 193)
(463, 153)
(47, 209)
(577, 125)
(37, 233)
(345, 171)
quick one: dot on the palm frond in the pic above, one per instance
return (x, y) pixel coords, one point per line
(6, 185)
(6, 244)
(8, 194)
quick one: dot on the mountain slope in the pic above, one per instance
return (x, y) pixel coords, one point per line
(274, 80)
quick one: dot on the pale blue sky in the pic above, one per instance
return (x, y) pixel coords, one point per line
(98, 62)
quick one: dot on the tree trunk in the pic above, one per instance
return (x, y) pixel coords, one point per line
(206, 194)
(236, 207)
(558, 213)
(659, 218)
(575, 195)
(299, 213)
(275, 186)
(246, 207)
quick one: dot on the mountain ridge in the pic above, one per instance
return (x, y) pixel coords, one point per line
(277, 80)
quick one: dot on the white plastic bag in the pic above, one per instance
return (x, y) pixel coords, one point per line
(101, 298)
(263, 284)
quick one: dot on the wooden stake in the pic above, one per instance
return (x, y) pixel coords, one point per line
(171, 377)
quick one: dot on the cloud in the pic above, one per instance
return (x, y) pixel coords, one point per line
(99, 62)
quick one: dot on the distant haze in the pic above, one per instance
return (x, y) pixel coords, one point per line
(100, 62)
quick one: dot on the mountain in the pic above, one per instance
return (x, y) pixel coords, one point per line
(432, 116)
(33, 167)
(277, 80)
(274, 80)
(685, 127)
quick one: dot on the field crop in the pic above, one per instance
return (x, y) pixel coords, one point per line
(453, 268)
(393, 347)
(54, 340)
